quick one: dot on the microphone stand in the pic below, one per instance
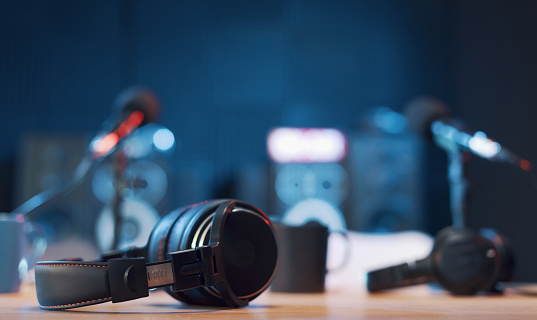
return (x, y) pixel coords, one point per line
(120, 184)
(459, 187)
(78, 176)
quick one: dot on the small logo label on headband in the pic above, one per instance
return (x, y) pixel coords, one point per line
(156, 274)
(159, 275)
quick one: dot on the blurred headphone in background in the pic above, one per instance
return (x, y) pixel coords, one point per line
(219, 252)
(462, 261)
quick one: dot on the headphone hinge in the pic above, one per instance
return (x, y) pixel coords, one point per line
(193, 268)
(208, 272)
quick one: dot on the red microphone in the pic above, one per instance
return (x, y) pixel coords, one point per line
(137, 107)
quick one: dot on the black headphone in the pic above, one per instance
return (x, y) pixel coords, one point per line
(462, 261)
(219, 252)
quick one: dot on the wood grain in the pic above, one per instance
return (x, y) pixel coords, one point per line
(418, 302)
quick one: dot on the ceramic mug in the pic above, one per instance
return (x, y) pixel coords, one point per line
(303, 257)
(21, 244)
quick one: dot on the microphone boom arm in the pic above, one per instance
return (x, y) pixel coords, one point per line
(75, 179)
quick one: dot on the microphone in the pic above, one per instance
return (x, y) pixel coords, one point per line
(136, 107)
(431, 118)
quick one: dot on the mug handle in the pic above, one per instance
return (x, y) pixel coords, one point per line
(347, 252)
(37, 244)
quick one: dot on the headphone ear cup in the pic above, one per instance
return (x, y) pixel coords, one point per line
(464, 262)
(504, 250)
(247, 246)
(181, 237)
(157, 246)
(249, 251)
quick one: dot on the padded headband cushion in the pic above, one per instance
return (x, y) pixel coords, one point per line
(158, 240)
(390, 277)
(70, 284)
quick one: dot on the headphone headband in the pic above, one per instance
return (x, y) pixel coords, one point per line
(462, 261)
(399, 276)
(70, 284)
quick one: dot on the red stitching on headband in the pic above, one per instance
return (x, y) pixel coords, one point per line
(74, 265)
(76, 303)
(71, 265)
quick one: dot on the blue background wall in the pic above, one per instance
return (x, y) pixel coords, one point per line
(228, 71)
(225, 71)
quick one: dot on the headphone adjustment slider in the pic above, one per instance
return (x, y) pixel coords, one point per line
(193, 268)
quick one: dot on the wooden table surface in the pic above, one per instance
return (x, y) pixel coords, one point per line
(418, 302)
